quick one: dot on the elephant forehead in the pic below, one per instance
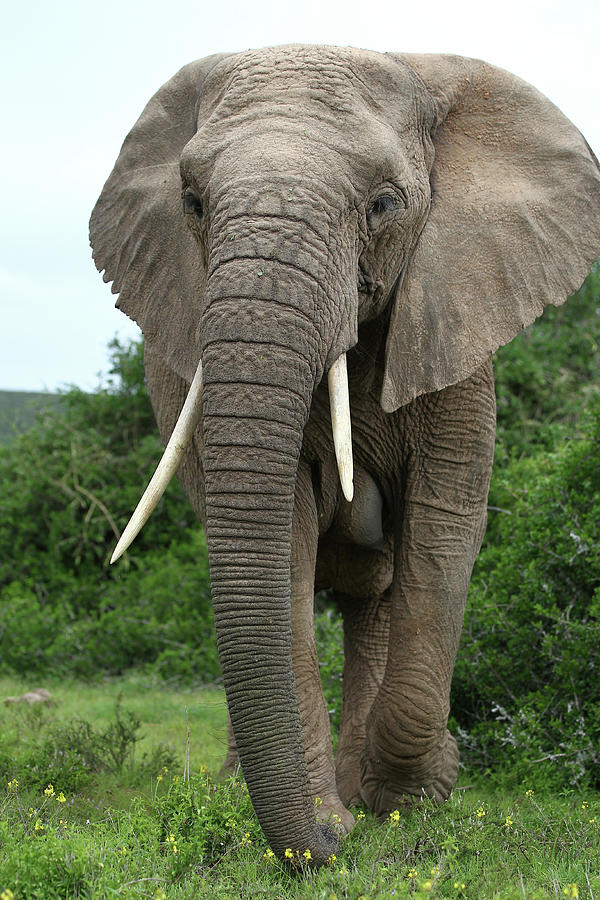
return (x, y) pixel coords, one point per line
(343, 88)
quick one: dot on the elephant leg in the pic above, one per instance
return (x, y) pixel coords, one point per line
(314, 718)
(409, 750)
(366, 631)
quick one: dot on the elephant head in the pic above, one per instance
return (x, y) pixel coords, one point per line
(263, 207)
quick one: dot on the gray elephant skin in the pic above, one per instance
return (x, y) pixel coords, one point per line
(270, 213)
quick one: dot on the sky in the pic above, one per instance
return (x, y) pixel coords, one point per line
(74, 77)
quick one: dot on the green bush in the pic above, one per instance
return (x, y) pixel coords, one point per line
(68, 487)
(69, 484)
(548, 374)
(526, 689)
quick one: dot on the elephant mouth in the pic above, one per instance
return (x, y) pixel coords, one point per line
(188, 421)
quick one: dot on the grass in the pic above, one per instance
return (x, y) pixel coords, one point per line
(142, 833)
(163, 712)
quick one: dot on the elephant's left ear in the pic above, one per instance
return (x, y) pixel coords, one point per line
(137, 230)
(514, 225)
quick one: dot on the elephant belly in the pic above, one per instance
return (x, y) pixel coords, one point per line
(354, 570)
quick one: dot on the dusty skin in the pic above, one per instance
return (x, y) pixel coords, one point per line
(269, 212)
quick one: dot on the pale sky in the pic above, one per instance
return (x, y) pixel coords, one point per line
(75, 76)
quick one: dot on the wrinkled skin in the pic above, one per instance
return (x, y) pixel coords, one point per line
(414, 212)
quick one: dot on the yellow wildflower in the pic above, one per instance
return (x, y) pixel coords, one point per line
(31, 812)
(481, 812)
(268, 854)
(427, 885)
(529, 793)
(38, 825)
(160, 895)
(394, 817)
(13, 785)
(289, 853)
(7, 894)
(172, 841)
(332, 859)
(49, 792)
(343, 871)
(412, 873)
(585, 804)
(508, 822)
(307, 855)
(203, 769)
(61, 798)
(360, 815)
(318, 801)
(459, 885)
(571, 890)
(246, 839)
(435, 871)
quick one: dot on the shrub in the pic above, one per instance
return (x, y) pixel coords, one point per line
(68, 487)
(548, 374)
(526, 688)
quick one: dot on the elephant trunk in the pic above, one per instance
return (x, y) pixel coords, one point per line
(256, 398)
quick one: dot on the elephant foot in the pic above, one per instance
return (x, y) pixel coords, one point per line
(331, 811)
(384, 788)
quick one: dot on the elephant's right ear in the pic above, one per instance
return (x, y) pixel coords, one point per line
(514, 225)
(137, 231)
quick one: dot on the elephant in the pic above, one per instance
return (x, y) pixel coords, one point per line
(386, 220)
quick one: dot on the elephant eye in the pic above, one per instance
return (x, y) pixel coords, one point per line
(383, 205)
(192, 203)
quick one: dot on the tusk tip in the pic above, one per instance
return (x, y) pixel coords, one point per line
(116, 555)
(122, 545)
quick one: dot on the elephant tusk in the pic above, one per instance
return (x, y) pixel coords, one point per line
(339, 402)
(179, 441)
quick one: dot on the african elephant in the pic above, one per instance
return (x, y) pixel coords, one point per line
(389, 221)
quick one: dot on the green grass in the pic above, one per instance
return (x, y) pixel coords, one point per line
(142, 833)
(164, 713)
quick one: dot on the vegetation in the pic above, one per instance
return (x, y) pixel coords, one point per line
(144, 829)
(68, 486)
(19, 411)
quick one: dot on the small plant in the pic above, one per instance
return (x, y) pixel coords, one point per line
(116, 743)
(68, 753)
